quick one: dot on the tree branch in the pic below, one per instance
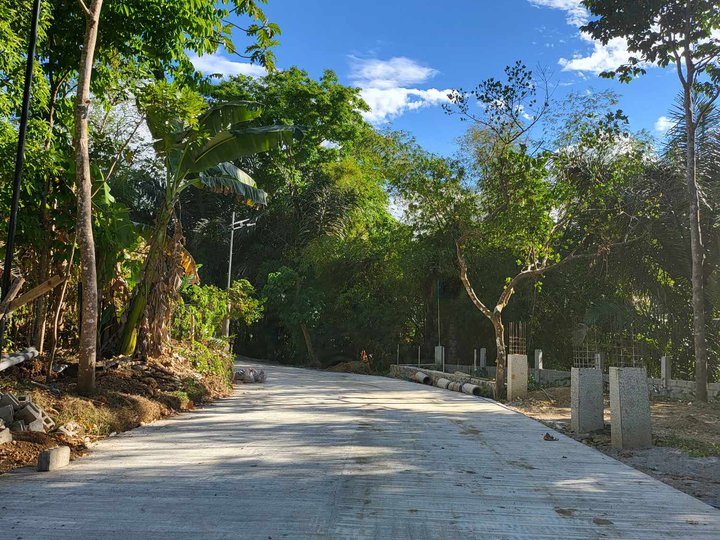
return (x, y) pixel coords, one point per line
(466, 280)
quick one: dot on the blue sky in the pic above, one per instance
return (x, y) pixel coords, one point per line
(406, 54)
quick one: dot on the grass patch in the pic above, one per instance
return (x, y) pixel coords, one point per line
(691, 447)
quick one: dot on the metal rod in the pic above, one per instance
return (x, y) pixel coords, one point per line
(19, 158)
(438, 309)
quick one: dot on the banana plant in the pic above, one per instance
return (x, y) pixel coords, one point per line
(199, 155)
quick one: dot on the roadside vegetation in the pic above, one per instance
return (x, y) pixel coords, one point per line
(360, 245)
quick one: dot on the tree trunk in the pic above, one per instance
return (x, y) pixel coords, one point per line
(308, 344)
(149, 277)
(88, 330)
(697, 251)
(500, 356)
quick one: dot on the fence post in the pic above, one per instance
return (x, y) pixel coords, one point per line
(538, 364)
(599, 361)
(483, 358)
(398, 355)
(474, 361)
(665, 371)
(418, 355)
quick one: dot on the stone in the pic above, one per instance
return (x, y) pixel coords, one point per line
(36, 426)
(7, 414)
(53, 458)
(5, 436)
(629, 408)
(517, 376)
(586, 400)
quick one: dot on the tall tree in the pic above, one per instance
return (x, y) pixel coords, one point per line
(683, 33)
(88, 329)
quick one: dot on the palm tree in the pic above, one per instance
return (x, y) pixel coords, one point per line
(197, 155)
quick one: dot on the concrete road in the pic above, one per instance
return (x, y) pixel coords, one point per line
(323, 455)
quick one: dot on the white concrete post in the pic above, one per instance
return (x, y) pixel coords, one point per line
(418, 355)
(599, 361)
(397, 359)
(586, 400)
(538, 364)
(474, 361)
(629, 408)
(665, 371)
(517, 376)
(440, 357)
(483, 358)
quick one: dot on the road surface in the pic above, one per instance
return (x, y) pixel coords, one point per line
(311, 454)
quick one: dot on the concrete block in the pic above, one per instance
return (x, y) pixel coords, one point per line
(483, 358)
(5, 436)
(18, 425)
(53, 458)
(7, 414)
(517, 376)
(22, 401)
(29, 413)
(9, 399)
(629, 408)
(586, 400)
(439, 357)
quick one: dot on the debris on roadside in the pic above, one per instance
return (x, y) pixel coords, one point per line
(249, 375)
(21, 414)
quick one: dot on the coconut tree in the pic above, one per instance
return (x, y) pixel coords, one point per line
(198, 152)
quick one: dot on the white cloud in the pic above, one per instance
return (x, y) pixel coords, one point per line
(663, 124)
(212, 64)
(387, 86)
(575, 12)
(603, 57)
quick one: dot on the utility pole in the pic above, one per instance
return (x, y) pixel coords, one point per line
(234, 225)
(19, 158)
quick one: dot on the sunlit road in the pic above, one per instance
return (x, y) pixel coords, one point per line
(311, 454)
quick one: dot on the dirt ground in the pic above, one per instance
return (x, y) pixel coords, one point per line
(129, 394)
(686, 436)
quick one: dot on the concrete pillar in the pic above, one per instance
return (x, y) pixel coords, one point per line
(586, 400)
(665, 371)
(483, 358)
(439, 357)
(629, 408)
(538, 364)
(517, 376)
(599, 361)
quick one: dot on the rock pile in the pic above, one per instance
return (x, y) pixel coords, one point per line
(249, 375)
(21, 414)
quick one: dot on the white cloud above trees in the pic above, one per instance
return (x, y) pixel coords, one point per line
(602, 57)
(216, 64)
(390, 87)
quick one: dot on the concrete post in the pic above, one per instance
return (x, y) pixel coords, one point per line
(665, 371)
(538, 364)
(517, 376)
(440, 357)
(586, 400)
(418, 355)
(629, 408)
(599, 361)
(483, 358)
(474, 361)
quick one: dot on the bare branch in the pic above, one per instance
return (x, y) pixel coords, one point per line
(466, 280)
